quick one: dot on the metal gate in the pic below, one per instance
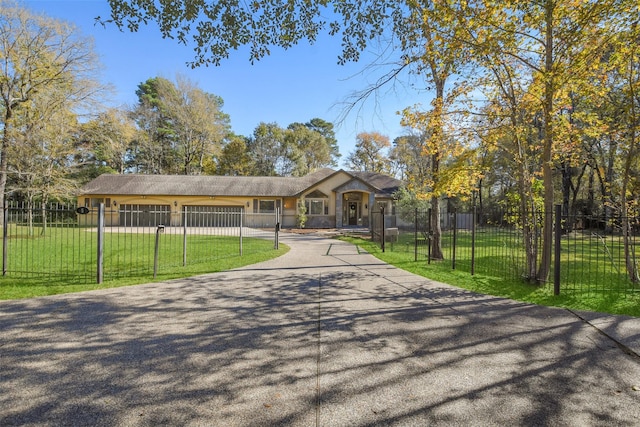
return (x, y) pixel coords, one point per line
(213, 216)
(144, 215)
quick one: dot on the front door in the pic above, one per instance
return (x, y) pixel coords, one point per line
(354, 212)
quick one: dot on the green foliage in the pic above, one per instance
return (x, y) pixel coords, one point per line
(108, 141)
(301, 213)
(325, 129)
(295, 151)
(306, 150)
(407, 202)
(234, 160)
(218, 28)
(266, 148)
(512, 204)
(182, 126)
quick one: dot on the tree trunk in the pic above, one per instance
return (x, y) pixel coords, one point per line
(629, 253)
(547, 171)
(437, 134)
(528, 223)
(436, 230)
(3, 160)
(480, 218)
(565, 169)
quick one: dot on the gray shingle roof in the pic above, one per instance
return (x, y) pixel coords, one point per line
(206, 185)
(385, 184)
(201, 185)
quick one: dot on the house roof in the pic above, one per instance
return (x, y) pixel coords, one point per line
(384, 184)
(207, 185)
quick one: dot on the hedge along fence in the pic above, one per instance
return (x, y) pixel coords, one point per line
(85, 245)
(588, 253)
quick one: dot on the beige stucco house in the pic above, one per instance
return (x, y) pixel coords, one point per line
(332, 198)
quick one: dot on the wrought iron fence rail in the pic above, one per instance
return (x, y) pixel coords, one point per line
(132, 240)
(592, 251)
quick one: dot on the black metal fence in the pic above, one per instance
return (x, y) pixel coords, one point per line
(589, 253)
(94, 244)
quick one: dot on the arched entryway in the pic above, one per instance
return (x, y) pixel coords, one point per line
(354, 201)
(353, 207)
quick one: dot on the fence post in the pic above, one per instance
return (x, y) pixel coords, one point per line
(415, 236)
(455, 238)
(276, 245)
(156, 252)
(372, 224)
(556, 250)
(184, 236)
(473, 240)
(429, 237)
(5, 237)
(383, 231)
(241, 217)
(100, 257)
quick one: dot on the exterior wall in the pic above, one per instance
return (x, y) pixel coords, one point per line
(289, 212)
(176, 204)
(321, 221)
(335, 206)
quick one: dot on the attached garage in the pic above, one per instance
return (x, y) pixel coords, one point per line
(213, 216)
(144, 215)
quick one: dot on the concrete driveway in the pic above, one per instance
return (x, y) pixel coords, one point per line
(322, 336)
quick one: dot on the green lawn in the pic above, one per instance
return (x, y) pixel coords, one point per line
(591, 279)
(64, 260)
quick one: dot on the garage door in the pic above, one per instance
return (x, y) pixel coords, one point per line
(213, 216)
(144, 215)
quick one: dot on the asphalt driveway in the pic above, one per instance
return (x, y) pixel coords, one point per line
(324, 335)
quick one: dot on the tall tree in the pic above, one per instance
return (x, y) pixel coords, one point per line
(621, 128)
(199, 125)
(184, 126)
(307, 149)
(370, 153)
(325, 129)
(266, 148)
(234, 160)
(429, 40)
(155, 151)
(109, 138)
(553, 42)
(42, 153)
(38, 55)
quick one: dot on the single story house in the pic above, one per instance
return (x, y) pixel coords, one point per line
(332, 198)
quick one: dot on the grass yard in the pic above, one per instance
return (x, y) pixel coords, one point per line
(65, 259)
(592, 272)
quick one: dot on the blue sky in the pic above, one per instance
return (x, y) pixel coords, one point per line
(288, 86)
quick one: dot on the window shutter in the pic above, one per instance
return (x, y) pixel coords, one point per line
(255, 205)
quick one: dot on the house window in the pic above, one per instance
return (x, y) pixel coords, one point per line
(94, 202)
(317, 203)
(267, 206)
(315, 206)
